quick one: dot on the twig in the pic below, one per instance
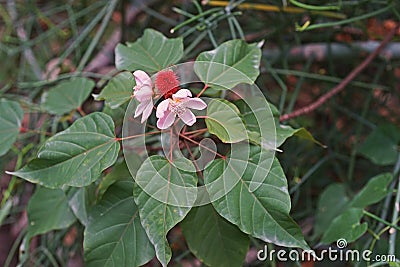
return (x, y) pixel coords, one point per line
(342, 85)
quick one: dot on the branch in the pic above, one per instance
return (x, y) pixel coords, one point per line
(342, 85)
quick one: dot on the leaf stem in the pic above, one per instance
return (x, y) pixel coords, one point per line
(137, 135)
(381, 220)
(197, 143)
(202, 90)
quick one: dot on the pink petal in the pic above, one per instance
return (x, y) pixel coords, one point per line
(141, 79)
(144, 93)
(166, 121)
(161, 108)
(195, 103)
(188, 117)
(183, 93)
(147, 111)
(140, 108)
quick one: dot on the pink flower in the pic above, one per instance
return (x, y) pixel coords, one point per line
(179, 106)
(144, 94)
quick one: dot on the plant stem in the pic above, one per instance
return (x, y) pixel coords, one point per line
(381, 220)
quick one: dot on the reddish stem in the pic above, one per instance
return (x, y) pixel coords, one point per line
(197, 143)
(342, 85)
(134, 136)
(202, 90)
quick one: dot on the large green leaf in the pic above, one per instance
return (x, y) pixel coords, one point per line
(10, 123)
(332, 202)
(263, 212)
(48, 210)
(150, 53)
(345, 226)
(212, 239)
(223, 120)
(67, 95)
(76, 156)
(374, 191)
(164, 193)
(232, 63)
(118, 90)
(114, 236)
(381, 146)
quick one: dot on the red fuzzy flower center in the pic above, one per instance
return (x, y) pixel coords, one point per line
(167, 83)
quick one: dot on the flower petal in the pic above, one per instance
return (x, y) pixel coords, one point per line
(188, 117)
(141, 79)
(147, 111)
(183, 93)
(166, 121)
(144, 93)
(140, 108)
(161, 108)
(195, 103)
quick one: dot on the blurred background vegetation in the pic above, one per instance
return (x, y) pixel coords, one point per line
(308, 50)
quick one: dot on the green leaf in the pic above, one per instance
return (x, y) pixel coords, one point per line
(332, 202)
(5, 210)
(67, 95)
(232, 63)
(164, 193)
(346, 226)
(78, 203)
(150, 53)
(212, 239)
(117, 114)
(259, 120)
(48, 210)
(283, 132)
(255, 119)
(114, 236)
(118, 90)
(381, 146)
(374, 191)
(120, 172)
(263, 212)
(223, 120)
(76, 156)
(10, 123)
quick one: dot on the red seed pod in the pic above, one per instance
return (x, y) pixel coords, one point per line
(167, 83)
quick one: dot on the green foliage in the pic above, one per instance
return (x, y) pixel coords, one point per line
(347, 225)
(114, 230)
(232, 63)
(67, 95)
(162, 179)
(339, 217)
(382, 145)
(223, 120)
(57, 214)
(123, 204)
(150, 53)
(76, 156)
(229, 244)
(263, 213)
(118, 90)
(10, 122)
